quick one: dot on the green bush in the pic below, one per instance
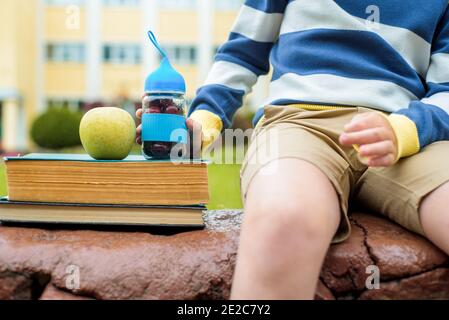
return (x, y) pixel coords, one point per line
(57, 128)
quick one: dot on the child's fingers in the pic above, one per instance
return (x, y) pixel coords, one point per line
(192, 125)
(365, 121)
(357, 123)
(138, 134)
(196, 135)
(139, 113)
(384, 161)
(377, 149)
(367, 136)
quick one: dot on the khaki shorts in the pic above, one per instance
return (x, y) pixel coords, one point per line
(396, 192)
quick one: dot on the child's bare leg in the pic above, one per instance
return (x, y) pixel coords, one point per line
(290, 219)
(434, 213)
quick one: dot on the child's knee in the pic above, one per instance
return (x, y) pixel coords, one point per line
(291, 221)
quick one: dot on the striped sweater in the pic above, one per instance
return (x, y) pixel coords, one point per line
(334, 52)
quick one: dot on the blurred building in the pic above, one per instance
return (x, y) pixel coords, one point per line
(73, 52)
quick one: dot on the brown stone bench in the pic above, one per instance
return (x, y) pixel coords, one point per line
(41, 264)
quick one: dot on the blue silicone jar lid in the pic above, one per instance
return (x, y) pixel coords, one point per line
(165, 79)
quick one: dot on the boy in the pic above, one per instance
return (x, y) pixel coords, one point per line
(359, 111)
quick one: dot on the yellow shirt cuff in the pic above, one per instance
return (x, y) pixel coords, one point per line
(406, 135)
(211, 126)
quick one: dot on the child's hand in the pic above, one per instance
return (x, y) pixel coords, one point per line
(375, 138)
(193, 126)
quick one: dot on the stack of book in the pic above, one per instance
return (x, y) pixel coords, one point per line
(57, 188)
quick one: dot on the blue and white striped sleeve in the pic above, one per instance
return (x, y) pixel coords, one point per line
(238, 63)
(427, 120)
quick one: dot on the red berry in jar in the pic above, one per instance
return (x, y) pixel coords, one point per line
(154, 109)
(161, 149)
(172, 110)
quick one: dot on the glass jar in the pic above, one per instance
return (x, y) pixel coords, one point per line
(168, 104)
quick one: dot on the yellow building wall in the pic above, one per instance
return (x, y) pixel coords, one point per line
(223, 22)
(65, 80)
(60, 24)
(27, 57)
(120, 81)
(8, 45)
(18, 49)
(190, 74)
(121, 24)
(180, 27)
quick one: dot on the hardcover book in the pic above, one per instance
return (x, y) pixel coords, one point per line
(40, 212)
(79, 179)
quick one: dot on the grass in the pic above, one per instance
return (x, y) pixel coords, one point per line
(224, 185)
(224, 179)
(2, 180)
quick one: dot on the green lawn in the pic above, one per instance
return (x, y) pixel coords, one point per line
(224, 186)
(2, 180)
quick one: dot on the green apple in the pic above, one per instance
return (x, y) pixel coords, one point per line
(107, 133)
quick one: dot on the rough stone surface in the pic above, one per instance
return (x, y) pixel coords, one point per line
(80, 264)
(428, 285)
(15, 286)
(398, 253)
(53, 293)
(344, 268)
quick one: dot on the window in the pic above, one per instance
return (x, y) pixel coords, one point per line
(122, 54)
(72, 104)
(228, 5)
(182, 55)
(178, 4)
(66, 52)
(122, 3)
(65, 2)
